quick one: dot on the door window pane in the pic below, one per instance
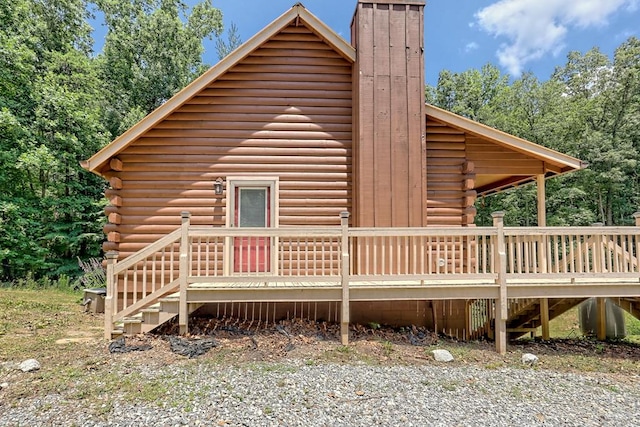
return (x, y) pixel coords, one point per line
(253, 207)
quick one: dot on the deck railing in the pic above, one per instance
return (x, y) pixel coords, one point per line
(344, 257)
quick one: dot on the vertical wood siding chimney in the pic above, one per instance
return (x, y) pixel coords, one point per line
(389, 114)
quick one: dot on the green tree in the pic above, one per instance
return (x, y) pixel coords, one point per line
(589, 109)
(601, 126)
(50, 103)
(233, 41)
(153, 48)
(470, 93)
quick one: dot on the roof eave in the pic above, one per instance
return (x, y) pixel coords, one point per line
(505, 139)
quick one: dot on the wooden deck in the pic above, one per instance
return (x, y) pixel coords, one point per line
(341, 264)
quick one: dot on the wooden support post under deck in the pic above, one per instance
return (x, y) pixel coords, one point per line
(601, 319)
(183, 312)
(542, 253)
(544, 318)
(345, 262)
(501, 267)
(112, 290)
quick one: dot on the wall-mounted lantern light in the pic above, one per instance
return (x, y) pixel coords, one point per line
(218, 186)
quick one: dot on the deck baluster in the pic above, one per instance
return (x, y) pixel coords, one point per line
(502, 312)
(344, 315)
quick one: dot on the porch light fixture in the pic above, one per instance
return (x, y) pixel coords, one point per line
(218, 185)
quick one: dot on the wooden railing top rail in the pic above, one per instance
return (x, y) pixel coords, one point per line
(426, 277)
(554, 231)
(200, 231)
(423, 231)
(204, 231)
(132, 260)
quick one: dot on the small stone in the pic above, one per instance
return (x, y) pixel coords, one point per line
(442, 356)
(529, 359)
(4, 385)
(29, 365)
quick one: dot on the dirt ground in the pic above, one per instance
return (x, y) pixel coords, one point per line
(237, 341)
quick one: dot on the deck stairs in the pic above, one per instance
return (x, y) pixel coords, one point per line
(155, 315)
(630, 305)
(526, 318)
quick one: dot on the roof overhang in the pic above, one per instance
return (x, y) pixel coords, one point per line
(296, 14)
(555, 163)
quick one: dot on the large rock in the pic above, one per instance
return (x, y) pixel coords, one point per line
(442, 356)
(529, 359)
(29, 365)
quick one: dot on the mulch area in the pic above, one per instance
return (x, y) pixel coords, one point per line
(233, 340)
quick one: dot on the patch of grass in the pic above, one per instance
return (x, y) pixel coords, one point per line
(494, 365)
(344, 349)
(348, 354)
(387, 348)
(516, 392)
(32, 320)
(271, 367)
(450, 385)
(633, 328)
(567, 325)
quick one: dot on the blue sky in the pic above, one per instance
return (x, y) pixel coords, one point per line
(515, 35)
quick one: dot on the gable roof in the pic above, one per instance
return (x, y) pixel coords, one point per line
(297, 12)
(555, 163)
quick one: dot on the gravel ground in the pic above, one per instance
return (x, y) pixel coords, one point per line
(303, 393)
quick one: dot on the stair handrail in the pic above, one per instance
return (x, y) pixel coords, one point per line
(114, 268)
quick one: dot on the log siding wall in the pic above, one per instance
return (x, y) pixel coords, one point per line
(450, 177)
(283, 111)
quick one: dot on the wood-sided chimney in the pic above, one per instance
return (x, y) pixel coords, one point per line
(389, 114)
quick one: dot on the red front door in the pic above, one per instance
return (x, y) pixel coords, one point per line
(252, 209)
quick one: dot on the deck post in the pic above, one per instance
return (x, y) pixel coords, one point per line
(111, 300)
(601, 319)
(183, 312)
(598, 255)
(636, 216)
(500, 258)
(345, 264)
(544, 318)
(542, 201)
(542, 253)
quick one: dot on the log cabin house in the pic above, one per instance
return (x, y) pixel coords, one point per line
(303, 175)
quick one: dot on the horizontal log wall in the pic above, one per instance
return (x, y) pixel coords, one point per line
(450, 177)
(283, 111)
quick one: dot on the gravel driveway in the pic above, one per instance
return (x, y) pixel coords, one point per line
(304, 393)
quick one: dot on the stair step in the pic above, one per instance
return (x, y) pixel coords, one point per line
(116, 333)
(149, 318)
(162, 317)
(132, 325)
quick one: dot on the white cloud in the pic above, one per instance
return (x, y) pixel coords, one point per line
(471, 47)
(535, 28)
